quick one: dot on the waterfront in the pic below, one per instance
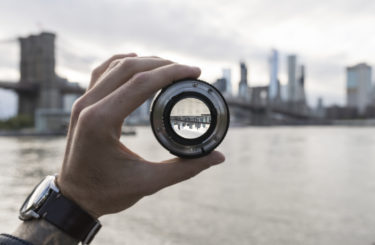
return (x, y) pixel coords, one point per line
(279, 185)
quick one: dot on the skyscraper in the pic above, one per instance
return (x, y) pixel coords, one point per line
(221, 85)
(243, 87)
(227, 74)
(301, 97)
(319, 111)
(358, 86)
(274, 69)
(292, 81)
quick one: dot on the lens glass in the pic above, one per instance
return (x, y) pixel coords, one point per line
(190, 118)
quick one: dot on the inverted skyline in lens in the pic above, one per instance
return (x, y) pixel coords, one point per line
(190, 118)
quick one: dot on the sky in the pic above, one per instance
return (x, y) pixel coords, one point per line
(327, 36)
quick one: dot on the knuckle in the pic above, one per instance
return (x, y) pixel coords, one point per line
(172, 70)
(177, 67)
(86, 115)
(170, 62)
(116, 57)
(95, 72)
(90, 117)
(78, 106)
(141, 77)
(113, 63)
(128, 62)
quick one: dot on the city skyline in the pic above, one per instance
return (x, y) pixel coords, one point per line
(47, 92)
(322, 44)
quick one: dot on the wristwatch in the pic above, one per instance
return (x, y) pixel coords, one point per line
(47, 202)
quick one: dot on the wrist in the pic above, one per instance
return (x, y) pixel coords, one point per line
(78, 195)
(47, 203)
(41, 232)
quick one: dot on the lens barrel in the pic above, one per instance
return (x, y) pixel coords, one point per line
(189, 118)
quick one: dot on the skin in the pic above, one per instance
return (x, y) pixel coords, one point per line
(99, 172)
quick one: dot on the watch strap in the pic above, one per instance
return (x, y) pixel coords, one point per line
(69, 217)
(6, 239)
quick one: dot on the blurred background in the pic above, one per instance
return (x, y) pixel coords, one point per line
(297, 76)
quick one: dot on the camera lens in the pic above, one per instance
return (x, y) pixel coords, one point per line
(189, 118)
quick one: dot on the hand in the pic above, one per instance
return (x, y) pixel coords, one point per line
(100, 173)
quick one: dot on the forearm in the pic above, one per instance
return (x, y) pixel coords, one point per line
(40, 232)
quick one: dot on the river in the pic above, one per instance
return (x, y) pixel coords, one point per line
(279, 185)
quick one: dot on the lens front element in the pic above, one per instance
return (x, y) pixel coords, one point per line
(190, 118)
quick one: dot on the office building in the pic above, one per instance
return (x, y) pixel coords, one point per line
(227, 74)
(292, 80)
(221, 85)
(273, 88)
(301, 96)
(359, 87)
(243, 88)
(319, 110)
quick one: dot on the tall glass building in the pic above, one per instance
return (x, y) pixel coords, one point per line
(292, 78)
(358, 86)
(274, 69)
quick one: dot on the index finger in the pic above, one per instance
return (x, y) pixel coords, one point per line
(98, 71)
(131, 95)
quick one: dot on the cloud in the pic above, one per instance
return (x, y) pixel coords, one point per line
(327, 35)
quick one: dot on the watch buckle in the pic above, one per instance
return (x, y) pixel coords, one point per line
(92, 233)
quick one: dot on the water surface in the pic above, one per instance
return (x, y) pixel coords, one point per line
(304, 185)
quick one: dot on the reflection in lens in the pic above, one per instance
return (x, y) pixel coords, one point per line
(190, 118)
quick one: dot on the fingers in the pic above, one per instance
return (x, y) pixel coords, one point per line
(133, 93)
(98, 71)
(110, 81)
(176, 170)
(120, 74)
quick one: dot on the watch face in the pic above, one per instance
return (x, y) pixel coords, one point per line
(36, 197)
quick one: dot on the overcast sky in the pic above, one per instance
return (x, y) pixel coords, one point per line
(326, 35)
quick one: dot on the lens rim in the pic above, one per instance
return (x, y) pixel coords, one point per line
(158, 121)
(167, 114)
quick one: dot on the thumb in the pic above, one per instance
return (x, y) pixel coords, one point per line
(175, 170)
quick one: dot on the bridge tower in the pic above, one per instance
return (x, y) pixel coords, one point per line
(37, 70)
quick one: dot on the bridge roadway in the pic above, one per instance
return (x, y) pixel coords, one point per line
(33, 88)
(277, 113)
(261, 108)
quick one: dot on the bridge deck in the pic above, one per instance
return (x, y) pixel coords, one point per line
(34, 87)
(276, 108)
